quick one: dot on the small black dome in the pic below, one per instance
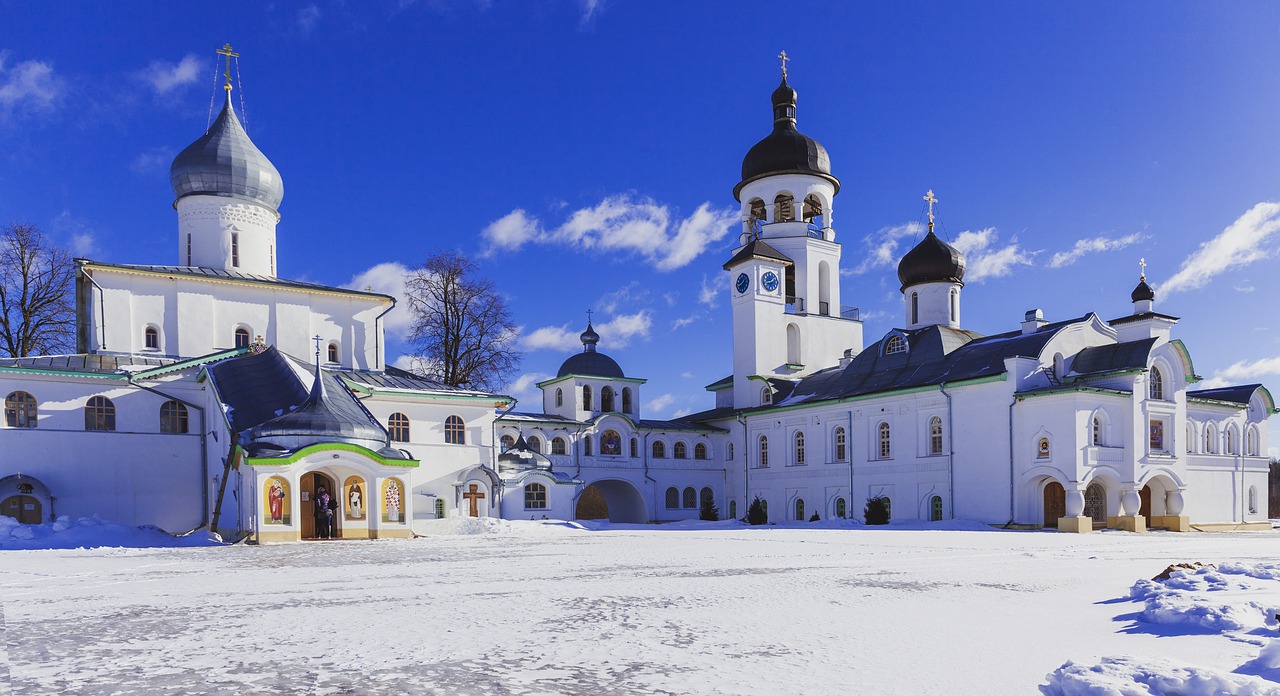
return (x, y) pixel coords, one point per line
(785, 150)
(590, 364)
(1143, 291)
(931, 261)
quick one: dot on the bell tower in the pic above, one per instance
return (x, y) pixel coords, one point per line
(785, 275)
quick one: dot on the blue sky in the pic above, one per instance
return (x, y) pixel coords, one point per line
(585, 151)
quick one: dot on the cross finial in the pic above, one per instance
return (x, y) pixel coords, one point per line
(1143, 262)
(783, 57)
(317, 339)
(929, 198)
(589, 313)
(226, 51)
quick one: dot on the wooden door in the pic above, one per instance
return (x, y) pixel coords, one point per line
(310, 482)
(1145, 509)
(1055, 503)
(25, 509)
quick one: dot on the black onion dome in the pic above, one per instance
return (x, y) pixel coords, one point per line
(590, 363)
(931, 261)
(1143, 292)
(785, 150)
(224, 162)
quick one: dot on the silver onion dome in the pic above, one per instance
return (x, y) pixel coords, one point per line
(225, 162)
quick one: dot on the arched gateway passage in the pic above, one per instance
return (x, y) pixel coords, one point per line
(617, 501)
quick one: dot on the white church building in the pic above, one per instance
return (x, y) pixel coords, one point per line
(212, 393)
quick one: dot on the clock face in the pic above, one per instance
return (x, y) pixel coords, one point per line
(770, 281)
(742, 283)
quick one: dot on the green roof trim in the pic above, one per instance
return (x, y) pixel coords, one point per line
(1073, 389)
(1217, 402)
(1185, 354)
(190, 362)
(1002, 377)
(425, 394)
(330, 447)
(64, 373)
(553, 380)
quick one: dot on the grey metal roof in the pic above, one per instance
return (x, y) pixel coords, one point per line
(931, 261)
(540, 417)
(1113, 356)
(1139, 317)
(757, 249)
(591, 364)
(224, 162)
(329, 413)
(256, 388)
(1237, 395)
(223, 274)
(87, 362)
(395, 378)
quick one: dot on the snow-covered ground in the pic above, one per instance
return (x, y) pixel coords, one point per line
(491, 607)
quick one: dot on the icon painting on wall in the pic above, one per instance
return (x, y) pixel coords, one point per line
(276, 501)
(355, 498)
(391, 501)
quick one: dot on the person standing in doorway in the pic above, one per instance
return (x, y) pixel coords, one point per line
(324, 513)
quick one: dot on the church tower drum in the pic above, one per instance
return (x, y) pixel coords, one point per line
(785, 275)
(932, 275)
(227, 194)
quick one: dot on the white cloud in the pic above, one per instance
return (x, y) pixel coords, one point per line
(660, 403)
(684, 321)
(627, 295)
(1243, 372)
(525, 388)
(1095, 244)
(166, 77)
(156, 159)
(590, 9)
(713, 287)
(307, 18)
(882, 247)
(80, 237)
(1244, 286)
(28, 87)
(982, 261)
(389, 279)
(630, 227)
(615, 333)
(1243, 242)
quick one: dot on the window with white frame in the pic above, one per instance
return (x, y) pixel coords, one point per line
(935, 435)
(885, 450)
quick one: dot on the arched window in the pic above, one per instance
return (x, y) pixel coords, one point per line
(611, 443)
(886, 451)
(1191, 438)
(728, 451)
(757, 213)
(535, 497)
(1251, 442)
(635, 448)
(659, 449)
(1042, 448)
(100, 414)
(799, 509)
(606, 399)
(764, 451)
(439, 508)
(151, 337)
(700, 451)
(799, 449)
(680, 451)
(506, 443)
(333, 352)
(1059, 367)
(842, 508)
(586, 398)
(935, 508)
(455, 432)
(784, 208)
(1095, 503)
(766, 396)
(1157, 384)
(559, 397)
(955, 306)
(535, 443)
(398, 427)
(673, 498)
(558, 446)
(586, 445)
(173, 417)
(842, 450)
(1097, 431)
(733, 509)
(915, 309)
(793, 345)
(764, 507)
(935, 435)
(1232, 440)
(690, 497)
(812, 211)
(824, 288)
(242, 337)
(895, 344)
(1210, 439)
(20, 410)
(626, 399)
(706, 496)
(1253, 500)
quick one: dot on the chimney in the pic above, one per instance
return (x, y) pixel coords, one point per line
(849, 354)
(1032, 321)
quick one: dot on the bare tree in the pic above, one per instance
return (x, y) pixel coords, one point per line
(462, 330)
(37, 279)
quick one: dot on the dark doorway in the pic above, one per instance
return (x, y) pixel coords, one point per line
(25, 509)
(621, 502)
(1055, 503)
(592, 505)
(1145, 508)
(310, 482)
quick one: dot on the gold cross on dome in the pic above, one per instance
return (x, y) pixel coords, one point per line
(929, 198)
(1143, 262)
(226, 51)
(783, 57)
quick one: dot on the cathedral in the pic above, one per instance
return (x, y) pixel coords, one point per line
(211, 393)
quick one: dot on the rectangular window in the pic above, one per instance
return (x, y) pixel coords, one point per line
(188, 248)
(235, 249)
(273, 259)
(1157, 436)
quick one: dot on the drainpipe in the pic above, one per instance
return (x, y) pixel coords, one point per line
(102, 311)
(204, 449)
(951, 454)
(493, 433)
(848, 453)
(746, 466)
(379, 360)
(1011, 450)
